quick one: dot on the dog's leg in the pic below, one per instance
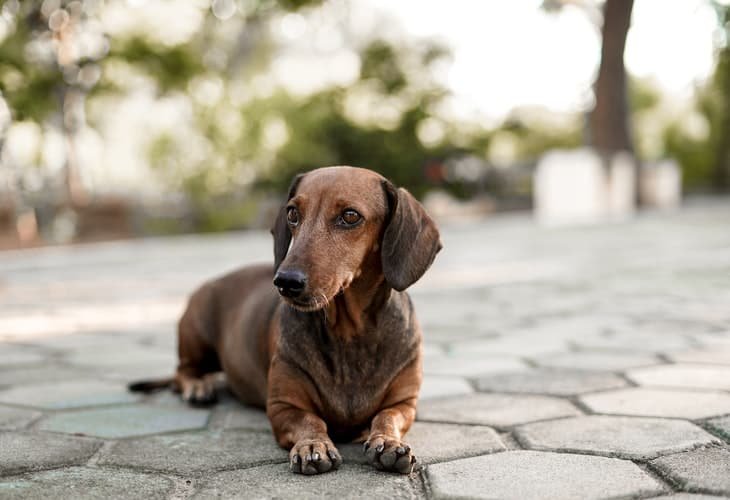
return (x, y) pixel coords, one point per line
(384, 447)
(295, 423)
(198, 363)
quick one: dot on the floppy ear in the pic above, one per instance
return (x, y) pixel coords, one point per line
(411, 239)
(281, 231)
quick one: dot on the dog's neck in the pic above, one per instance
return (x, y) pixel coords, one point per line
(351, 312)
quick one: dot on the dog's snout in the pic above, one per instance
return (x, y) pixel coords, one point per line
(290, 283)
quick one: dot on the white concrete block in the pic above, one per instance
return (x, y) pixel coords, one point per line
(574, 187)
(660, 185)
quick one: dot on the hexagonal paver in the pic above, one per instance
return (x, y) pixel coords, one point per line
(688, 496)
(513, 345)
(701, 471)
(15, 354)
(276, 481)
(470, 367)
(82, 483)
(527, 475)
(438, 386)
(497, 410)
(633, 341)
(68, 394)
(194, 453)
(649, 402)
(552, 382)
(240, 417)
(26, 375)
(14, 418)
(715, 354)
(432, 443)
(23, 451)
(596, 361)
(126, 354)
(683, 375)
(720, 426)
(126, 421)
(625, 437)
(132, 372)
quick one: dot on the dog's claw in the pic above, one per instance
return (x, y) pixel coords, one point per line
(385, 453)
(314, 456)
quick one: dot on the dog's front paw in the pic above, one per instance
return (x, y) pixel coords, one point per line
(386, 453)
(314, 456)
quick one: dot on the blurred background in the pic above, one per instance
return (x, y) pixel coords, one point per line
(123, 118)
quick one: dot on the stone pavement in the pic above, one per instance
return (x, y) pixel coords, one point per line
(563, 363)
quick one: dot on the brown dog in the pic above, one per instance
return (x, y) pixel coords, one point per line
(340, 356)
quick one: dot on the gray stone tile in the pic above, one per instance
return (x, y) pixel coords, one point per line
(17, 354)
(660, 402)
(84, 483)
(596, 361)
(48, 372)
(196, 453)
(512, 345)
(624, 437)
(720, 426)
(276, 481)
(431, 349)
(700, 471)
(68, 394)
(688, 496)
(551, 382)
(636, 341)
(696, 376)
(132, 372)
(24, 451)
(124, 354)
(497, 410)
(78, 341)
(14, 418)
(470, 367)
(715, 355)
(126, 421)
(432, 443)
(528, 475)
(239, 417)
(439, 386)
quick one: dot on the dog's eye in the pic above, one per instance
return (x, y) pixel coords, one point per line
(292, 216)
(349, 218)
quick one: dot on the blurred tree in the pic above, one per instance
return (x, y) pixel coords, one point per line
(53, 52)
(609, 129)
(700, 140)
(47, 69)
(721, 120)
(609, 121)
(377, 122)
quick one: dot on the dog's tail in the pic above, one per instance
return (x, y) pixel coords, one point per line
(151, 385)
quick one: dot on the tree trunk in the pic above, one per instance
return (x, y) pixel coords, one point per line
(721, 167)
(609, 121)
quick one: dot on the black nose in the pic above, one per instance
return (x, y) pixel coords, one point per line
(290, 283)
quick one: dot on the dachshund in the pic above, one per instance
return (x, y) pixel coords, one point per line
(332, 350)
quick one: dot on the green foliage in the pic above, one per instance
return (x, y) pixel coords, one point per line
(171, 67)
(380, 62)
(322, 133)
(643, 96)
(30, 89)
(705, 158)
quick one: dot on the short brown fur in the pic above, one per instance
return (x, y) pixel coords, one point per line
(343, 360)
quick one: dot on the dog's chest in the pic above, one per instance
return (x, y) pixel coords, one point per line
(353, 379)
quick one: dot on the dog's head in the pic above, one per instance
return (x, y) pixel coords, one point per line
(341, 224)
